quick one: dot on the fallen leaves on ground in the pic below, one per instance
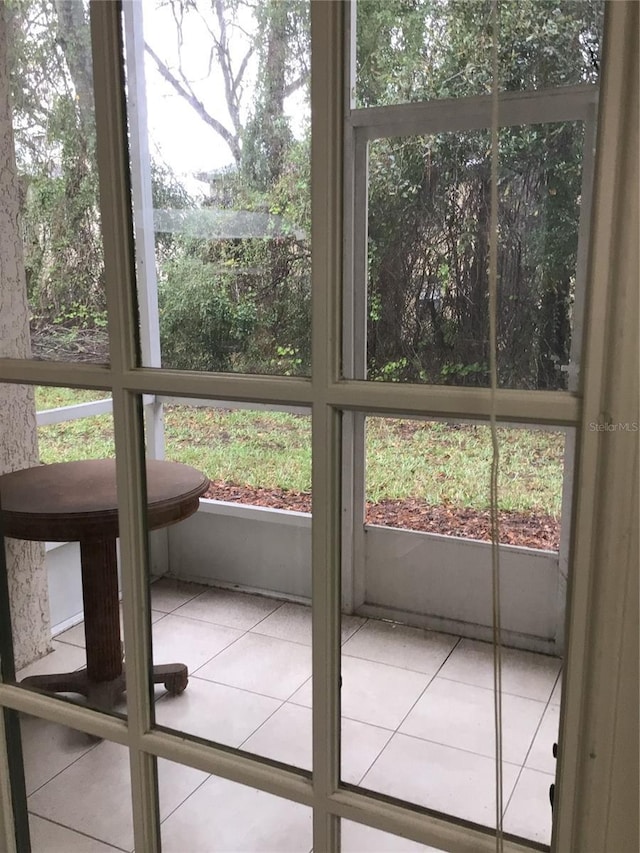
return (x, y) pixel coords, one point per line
(531, 530)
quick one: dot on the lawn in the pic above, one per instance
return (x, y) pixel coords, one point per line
(440, 463)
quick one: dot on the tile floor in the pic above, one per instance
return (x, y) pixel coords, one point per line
(417, 724)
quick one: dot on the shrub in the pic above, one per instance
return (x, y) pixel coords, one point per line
(204, 325)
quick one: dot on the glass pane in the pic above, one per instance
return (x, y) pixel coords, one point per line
(224, 170)
(428, 239)
(73, 424)
(65, 768)
(356, 838)
(231, 600)
(425, 50)
(224, 815)
(259, 457)
(417, 661)
(60, 516)
(434, 476)
(57, 272)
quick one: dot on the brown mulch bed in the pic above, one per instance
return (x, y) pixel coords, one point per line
(516, 528)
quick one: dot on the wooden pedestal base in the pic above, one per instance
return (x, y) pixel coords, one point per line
(105, 694)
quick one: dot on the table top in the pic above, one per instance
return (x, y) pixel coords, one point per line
(70, 501)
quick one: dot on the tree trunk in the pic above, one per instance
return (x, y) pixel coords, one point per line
(75, 40)
(27, 578)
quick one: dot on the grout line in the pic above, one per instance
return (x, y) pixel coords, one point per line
(272, 637)
(358, 629)
(385, 745)
(180, 804)
(555, 684)
(78, 832)
(257, 729)
(457, 749)
(386, 663)
(504, 692)
(213, 657)
(430, 681)
(513, 790)
(271, 613)
(396, 730)
(67, 766)
(173, 609)
(231, 687)
(539, 726)
(289, 700)
(59, 639)
(220, 624)
(177, 615)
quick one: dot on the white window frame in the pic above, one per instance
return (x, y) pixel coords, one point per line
(364, 125)
(328, 396)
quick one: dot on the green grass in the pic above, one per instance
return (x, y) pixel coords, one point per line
(55, 397)
(436, 462)
(445, 464)
(86, 438)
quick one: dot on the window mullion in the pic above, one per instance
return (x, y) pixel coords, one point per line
(117, 230)
(327, 93)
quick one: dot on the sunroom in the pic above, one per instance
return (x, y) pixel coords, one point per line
(310, 320)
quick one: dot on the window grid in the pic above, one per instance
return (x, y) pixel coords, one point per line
(329, 396)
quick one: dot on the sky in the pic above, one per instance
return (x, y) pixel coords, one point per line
(177, 136)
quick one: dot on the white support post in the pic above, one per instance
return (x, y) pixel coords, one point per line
(143, 217)
(354, 333)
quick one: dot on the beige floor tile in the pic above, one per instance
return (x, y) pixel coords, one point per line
(461, 715)
(75, 635)
(373, 693)
(47, 837)
(225, 816)
(293, 622)
(63, 658)
(523, 673)
(449, 780)
(556, 696)
(93, 795)
(262, 664)
(190, 641)
(48, 748)
(541, 754)
(399, 645)
(529, 811)
(360, 746)
(169, 593)
(226, 607)
(386, 668)
(216, 712)
(286, 736)
(356, 838)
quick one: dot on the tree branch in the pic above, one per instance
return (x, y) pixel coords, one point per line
(199, 108)
(243, 67)
(295, 85)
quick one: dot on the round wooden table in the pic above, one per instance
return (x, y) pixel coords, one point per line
(77, 501)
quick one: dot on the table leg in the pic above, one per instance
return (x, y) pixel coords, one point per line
(101, 609)
(103, 679)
